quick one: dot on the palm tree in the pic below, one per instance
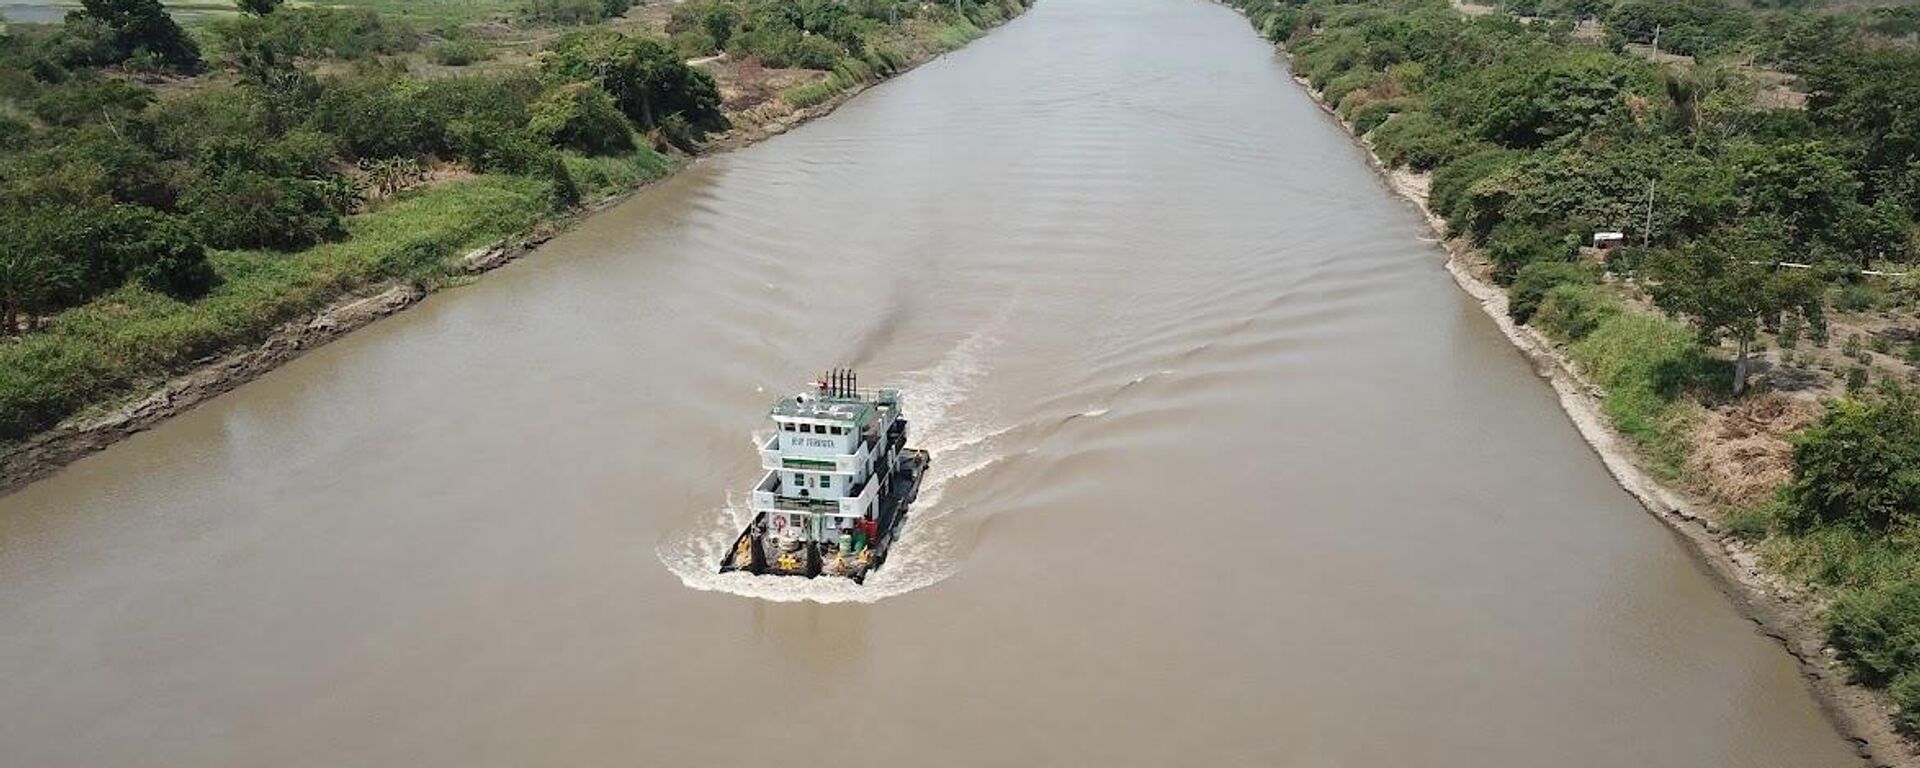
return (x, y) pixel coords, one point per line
(32, 282)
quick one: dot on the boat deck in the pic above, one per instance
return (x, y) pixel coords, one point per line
(759, 555)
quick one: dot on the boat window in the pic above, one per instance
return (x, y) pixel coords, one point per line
(787, 425)
(826, 481)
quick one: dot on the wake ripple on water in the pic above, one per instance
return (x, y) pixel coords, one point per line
(927, 551)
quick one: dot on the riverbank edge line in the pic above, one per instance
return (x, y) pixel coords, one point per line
(1861, 715)
(44, 454)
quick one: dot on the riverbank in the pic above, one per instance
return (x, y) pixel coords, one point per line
(1781, 611)
(348, 301)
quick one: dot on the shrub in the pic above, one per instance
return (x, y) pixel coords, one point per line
(1877, 630)
(1418, 140)
(1512, 246)
(693, 43)
(343, 33)
(1338, 88)
(709, 19)
(814, 52)
(1857, 379)
(1448, 196)
(374, 116)
(1372, 114)
(1573, 311)
(564, 192)
(566, 11)
(1859, 466)
(1531, 283)
(460, 53)
(1906, 695)
(1790, 331)
(172, 262)
(243, 208)
(479, 119)
(768, 43)
(84, 101)
(582, 117)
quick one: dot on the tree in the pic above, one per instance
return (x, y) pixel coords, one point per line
(1803, 185)
(137, 28)
(258, 7)
(646, 78)
(1726, 285)
(1531, 100)
(1872, 94)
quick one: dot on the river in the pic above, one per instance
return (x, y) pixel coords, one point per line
(1226, 472)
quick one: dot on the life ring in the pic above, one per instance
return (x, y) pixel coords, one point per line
(779, 523)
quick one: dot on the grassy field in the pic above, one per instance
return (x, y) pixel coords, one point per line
(432, 12)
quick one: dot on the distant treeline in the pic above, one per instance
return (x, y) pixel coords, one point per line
(1540, 130)
(134, 152)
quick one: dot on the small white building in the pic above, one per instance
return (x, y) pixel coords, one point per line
(1607, 241)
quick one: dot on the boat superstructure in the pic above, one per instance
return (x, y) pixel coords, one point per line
(838, 480)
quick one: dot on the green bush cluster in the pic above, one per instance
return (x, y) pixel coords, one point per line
(575, 12)
(322, 32)
(1859, 467)
(1877, 631)
(1535, 279)
(1573, 311)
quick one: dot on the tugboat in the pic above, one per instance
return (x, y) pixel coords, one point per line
(839, 478)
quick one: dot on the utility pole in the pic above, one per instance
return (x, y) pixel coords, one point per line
(1646, 236)
(1656, 39)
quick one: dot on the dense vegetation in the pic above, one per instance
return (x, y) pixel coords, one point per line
(174, 192)
(1543, 125)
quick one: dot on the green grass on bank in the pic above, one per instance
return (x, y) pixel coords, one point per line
(1874, 621)
(135, 337)
(1648, 366)
(605, 176)
(951, 36)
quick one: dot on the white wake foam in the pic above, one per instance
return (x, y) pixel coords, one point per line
(925, 553)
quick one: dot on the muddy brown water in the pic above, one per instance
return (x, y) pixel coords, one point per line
(1227, 472)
